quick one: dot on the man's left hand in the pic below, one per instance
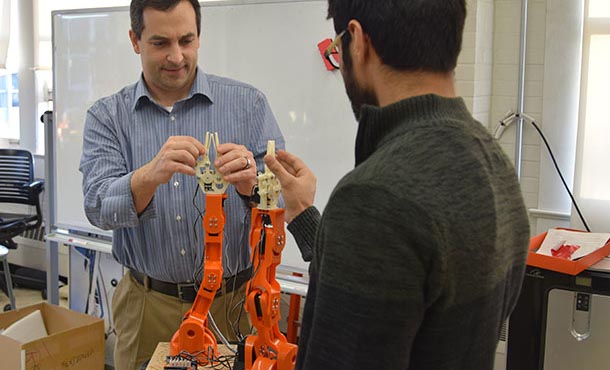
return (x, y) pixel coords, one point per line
(236, 163)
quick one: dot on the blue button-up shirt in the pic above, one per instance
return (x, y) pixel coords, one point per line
(125, 131)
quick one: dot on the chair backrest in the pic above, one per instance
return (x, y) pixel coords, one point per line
(16, 172)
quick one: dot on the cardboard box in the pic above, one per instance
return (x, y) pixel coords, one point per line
(562, 265)
(75, 341)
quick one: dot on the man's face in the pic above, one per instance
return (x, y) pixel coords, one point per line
(168, 50)
(357, 93)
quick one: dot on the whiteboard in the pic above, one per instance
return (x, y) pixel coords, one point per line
(271, 45)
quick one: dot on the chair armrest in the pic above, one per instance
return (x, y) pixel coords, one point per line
(5, 226)
(36, 186)
(34, 190)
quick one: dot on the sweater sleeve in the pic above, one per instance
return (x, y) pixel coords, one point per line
(303, 228)
(367, 292)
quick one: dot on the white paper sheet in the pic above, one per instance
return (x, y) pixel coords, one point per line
(27, 329)
(587, 242)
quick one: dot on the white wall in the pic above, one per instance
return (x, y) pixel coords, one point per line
(473, 73)
(551, 97)
(507, 41)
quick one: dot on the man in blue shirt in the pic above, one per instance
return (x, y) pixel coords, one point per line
(140, 147)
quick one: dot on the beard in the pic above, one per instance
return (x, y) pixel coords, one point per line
(357, 94)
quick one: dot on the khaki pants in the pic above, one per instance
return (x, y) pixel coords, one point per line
(143, 318)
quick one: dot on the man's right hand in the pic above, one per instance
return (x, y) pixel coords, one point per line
(179, 154)
(297, 180)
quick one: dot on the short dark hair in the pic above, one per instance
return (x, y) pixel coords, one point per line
(136, 11)
(412, 35)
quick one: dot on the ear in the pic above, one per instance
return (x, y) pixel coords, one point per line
(134, 42)
(360, 44)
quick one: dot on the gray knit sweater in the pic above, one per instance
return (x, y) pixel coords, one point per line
(419, 256)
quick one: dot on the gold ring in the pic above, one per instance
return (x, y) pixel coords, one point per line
(247, 165)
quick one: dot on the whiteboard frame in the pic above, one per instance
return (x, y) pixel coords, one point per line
(57, 226)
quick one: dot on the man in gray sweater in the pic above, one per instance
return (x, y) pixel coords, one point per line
(419, 256)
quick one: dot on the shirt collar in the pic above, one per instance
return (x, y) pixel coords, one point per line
(200, 87)
(379, 124)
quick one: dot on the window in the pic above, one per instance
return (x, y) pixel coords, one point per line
(9, 105)
(9, 81)
(599, 9)
(592, 178)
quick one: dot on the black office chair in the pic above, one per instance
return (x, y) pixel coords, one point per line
(18, 190)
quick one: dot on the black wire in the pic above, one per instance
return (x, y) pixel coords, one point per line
(230, 307)
(235, 325)
(565, 185)
(198, 273)
(257, 250)
(255, 269)
(213, 361)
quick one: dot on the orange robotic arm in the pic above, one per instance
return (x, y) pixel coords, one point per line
(268, 349)
(194, 336)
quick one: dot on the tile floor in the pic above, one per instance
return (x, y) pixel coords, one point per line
(26, 297)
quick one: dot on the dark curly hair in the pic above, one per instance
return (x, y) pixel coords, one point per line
(424, 35)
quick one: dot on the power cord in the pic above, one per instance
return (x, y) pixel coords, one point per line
(507, 120)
